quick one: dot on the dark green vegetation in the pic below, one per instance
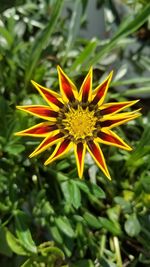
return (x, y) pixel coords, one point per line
(48, 216)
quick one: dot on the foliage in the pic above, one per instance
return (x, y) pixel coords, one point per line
(48, 216)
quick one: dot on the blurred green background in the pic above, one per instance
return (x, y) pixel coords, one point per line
(48, 217)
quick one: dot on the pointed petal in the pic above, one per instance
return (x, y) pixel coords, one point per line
(86, 88)
(46, 143)
(79, 150)
(39, 130)
(114, 121)
(61, 149)
(110, 138)
(98, 156)
(52, 98)
(112, 108)
(43, 112)
(100, 92)
(67, 88)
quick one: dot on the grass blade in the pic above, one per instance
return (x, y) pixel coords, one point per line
(41, 41)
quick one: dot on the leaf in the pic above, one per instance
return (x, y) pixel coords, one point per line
(14, 149)
(4, 248)
(85, 263)
(23, 233)
(15, 244)
(111, 226)
(64, 225)
(41, 41)
(51, 251)
(132, 225)
(143, 91)
(56, 234)
(27, 263)
(75, 195)
(92, 220)
(84, 55)
(125, 205)
(74, 27)
(96, 190)
(128, 26)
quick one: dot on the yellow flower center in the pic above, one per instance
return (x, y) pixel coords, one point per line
(80, 122)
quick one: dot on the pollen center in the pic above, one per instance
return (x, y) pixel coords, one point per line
(80, 122)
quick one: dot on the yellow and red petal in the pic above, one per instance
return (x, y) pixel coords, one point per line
(108, 137)
(79, 150)
(97, 154)
(67, 88)
(39, 130)
(46, 143)
(52, 98)
(86, 88)
(61, 149)
(115, 107)
(116, 120)
(43, 112)
(100, 92)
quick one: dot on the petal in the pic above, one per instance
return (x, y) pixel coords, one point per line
(98, 156)
(61, 149)
(39, 130)
(52, 98)
(112, 108)
(67, 88)
(114, 121)
(46, 143)
(40, 111)
(110, 138)
(100, 92)
(86, 87)
(79, 150)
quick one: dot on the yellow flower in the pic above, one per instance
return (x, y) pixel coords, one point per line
(78, 120)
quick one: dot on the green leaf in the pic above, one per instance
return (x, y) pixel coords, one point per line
(27, 263)
(84, 55)
(125, 205)
(41, 41)
(64, 225)
(85, 263)
(132, 225)
(75, 195)
(4, 248)
(56, 234)
(23, 233)
(96, 190)
(92, 220)
(74, 27)
(51, 251)
(111, 226)
(15, 244)
(14, 149)
(128, 26)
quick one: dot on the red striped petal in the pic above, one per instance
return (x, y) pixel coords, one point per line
(110, 138)
(98, 156)
(86, 88)
(67, 88)
(113, 122)
(80, 154)
(40, 111)
(61, 149)
(39, 130)
(51, 97)
(110, 108)
(101, 90)
(46, 143)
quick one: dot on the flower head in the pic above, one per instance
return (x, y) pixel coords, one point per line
(78, 120)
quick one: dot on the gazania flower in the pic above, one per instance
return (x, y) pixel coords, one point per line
(79, 120)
